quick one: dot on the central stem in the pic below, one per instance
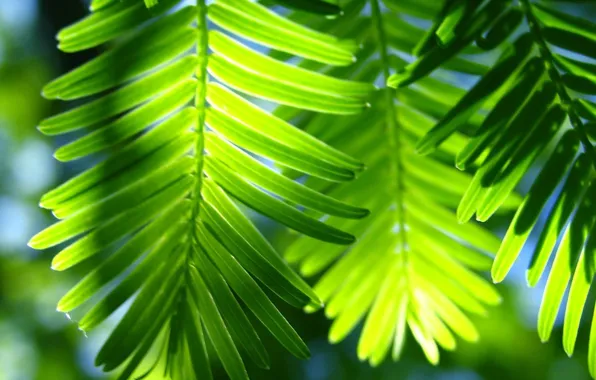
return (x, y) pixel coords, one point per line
(393, 131)
(200, 100)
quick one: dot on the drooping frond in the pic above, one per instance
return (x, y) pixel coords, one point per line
(544, 77)
(174, 112)
(413, 267)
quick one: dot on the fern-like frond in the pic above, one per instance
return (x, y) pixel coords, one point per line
(413, 266)
(175, 113)
(543, 78)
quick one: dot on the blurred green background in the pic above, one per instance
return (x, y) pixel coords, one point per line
(36, 342)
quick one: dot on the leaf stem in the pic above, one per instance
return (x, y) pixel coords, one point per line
(200, 103)
(393, 130)
(555, 77)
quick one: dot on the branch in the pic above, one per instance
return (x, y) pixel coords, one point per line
(555, 77)
(393, 130)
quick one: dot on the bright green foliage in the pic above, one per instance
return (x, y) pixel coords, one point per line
(187, 120)
(412, 267)
(537, 83)
(176, 116)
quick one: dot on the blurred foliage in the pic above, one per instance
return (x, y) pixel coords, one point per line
(20, 104)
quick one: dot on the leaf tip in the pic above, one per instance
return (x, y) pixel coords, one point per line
(496, 274)
(462, 216)
(544, 337)
(99, 361)
(57, 264)
(305, 354)
(36, 242)
(393, 81)
(424, 147)
(531, 278)
(43, 203)
(31, 244)
(334, 338)
(311, 308)
(362, 213)
(362, 356)
(62, 307)
(60, 155)
(482, 217)
(568, 348)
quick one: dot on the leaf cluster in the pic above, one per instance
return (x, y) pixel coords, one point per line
(541, 114)
(350, 124)
(170, 111)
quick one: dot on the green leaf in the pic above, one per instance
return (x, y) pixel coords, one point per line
(129, 124)
(118, 227)
(256, 132)
(253, 22)
(521, 161)
(553, 18)
(565, 260)
(381, 319)
(526, 216)
(585, 108)
(444, 219)
(195, 339)
(578, 294)
(503, 28)
(474, 99)
(215, 327)
(256, 248)
(154, 148)
(349, 310)
(501, 152)
(249, 82)
(272, 207)
(252, 295)
(238, 324)
(576, 67)
(415, 8)
(424, 338)
(123, 258)
(159, 43)
(494, 122)
(570, 41)
(115, 205)
(580, 84)
(438, 55)
(154, 263)
(120, 100)
(295, 77)
(446, 31)
(137, 172)
(557, 219)
(99, 4)
(151, 307)
(264, 177)
(104, 25)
